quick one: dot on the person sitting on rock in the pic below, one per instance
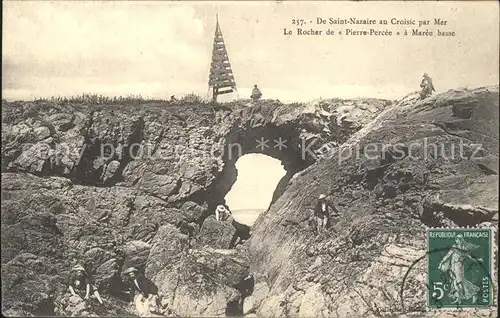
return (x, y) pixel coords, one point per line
(140, 284)
(256, 94)
(322, 213)
(222, 213)
(80, 280)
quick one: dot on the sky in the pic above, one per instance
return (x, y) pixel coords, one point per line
(158, 49)
(254, 187)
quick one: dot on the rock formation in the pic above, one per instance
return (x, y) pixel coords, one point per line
(113, 186)
(445, 174)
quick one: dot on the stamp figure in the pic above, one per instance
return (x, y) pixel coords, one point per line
(459, 268)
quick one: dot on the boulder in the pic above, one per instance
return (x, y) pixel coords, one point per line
(103, 266)
(203, 282)
(216, 234)
(167, 248)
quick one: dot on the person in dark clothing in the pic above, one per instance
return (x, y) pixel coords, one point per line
(79, 281)
(427, 86)
(323, 211)
(246, 288)
(139, 284)
(242, 233)
(256, 94)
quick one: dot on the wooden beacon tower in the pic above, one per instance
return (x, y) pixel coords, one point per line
(221, 78)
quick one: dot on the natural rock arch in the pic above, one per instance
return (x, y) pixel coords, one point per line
(245, 141)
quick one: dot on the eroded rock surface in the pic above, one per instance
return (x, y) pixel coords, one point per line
(439, 168)
(118, 186)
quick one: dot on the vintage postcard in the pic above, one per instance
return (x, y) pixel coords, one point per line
(250, 158)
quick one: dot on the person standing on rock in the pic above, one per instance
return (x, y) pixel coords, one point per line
(322, 213)
(427, 86)
(80, 280)
(256, 94)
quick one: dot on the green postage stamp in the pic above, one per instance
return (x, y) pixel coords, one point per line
(459, 268)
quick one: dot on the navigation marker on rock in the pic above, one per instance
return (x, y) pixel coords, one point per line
(221, 78)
